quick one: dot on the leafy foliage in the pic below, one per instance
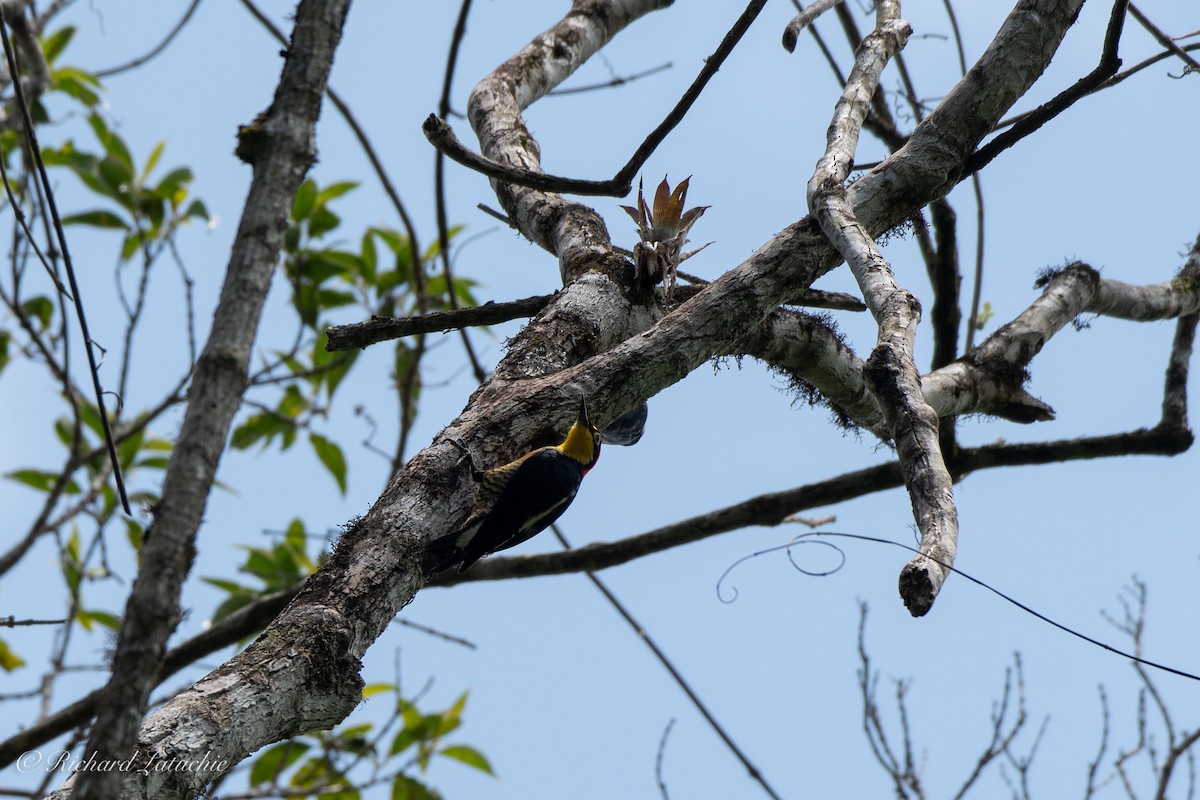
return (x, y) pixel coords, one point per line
(320, 764)
(327, 278)
(146, 210)
(279, 567)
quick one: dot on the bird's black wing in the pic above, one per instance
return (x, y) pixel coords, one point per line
(525, 496)
(546, 475)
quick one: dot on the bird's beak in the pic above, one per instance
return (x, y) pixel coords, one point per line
(583, 413)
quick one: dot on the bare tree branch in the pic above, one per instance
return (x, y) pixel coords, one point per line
(890, 372)
(529, 174)
(157, 49)
(1110, 62)
(1164, 40)
(379, 329)
(803, 20)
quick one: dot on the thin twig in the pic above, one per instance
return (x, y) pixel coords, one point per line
(1109, 64)
(358, 335)
(675, 674)
(19, 215)
(447, 637)
(439, 184)
(1163, 39)
(660, 757)
(12, 622)
(977, 188)
(441, 135)
(36, 153)
(139, 61)
(619, 80)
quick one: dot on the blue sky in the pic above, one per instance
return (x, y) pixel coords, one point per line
(565, 700)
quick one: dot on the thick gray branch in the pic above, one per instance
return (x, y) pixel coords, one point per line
(573, 232)
(990, 378)
(891, 372)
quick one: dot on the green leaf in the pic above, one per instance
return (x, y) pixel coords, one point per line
(5, 339)
(151, 161)
(304, 201)
(9, 660)
(154, 210)
(331, 456)
(114, 146)
(130, 246)
(335, 190)
(91, 418)
(322, 221)
(128, 449)
(40, 308)
(432, 251)
(369, 257)
(293, 403)
(350, 263)
(41, 480)
(338, 364)
(372, 689)
(406, 788)
(97, 219)
(77, 84)
(258, 427)
(315, 267)
(235, 602)
(396, 241)
(275, 760)
(444, 723)
(197, 210)
(64, 430)
(54, 43)
(354, 737)
(228, 586)
(402, 741)
(154, 462)
(260, 563)
(70, 562)
(88, 618)
(469, 756)
(293, 534)
(173, 182)
(135, 533)
(117, 177)
(331, 298)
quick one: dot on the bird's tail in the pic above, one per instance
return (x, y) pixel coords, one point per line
(453, 549)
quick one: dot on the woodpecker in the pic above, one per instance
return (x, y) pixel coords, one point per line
(521, 498)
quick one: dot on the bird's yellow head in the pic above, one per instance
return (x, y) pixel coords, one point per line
(583, 440)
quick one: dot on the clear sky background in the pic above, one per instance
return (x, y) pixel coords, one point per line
(565, 700)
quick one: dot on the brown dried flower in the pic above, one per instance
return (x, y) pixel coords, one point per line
(663, 230)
